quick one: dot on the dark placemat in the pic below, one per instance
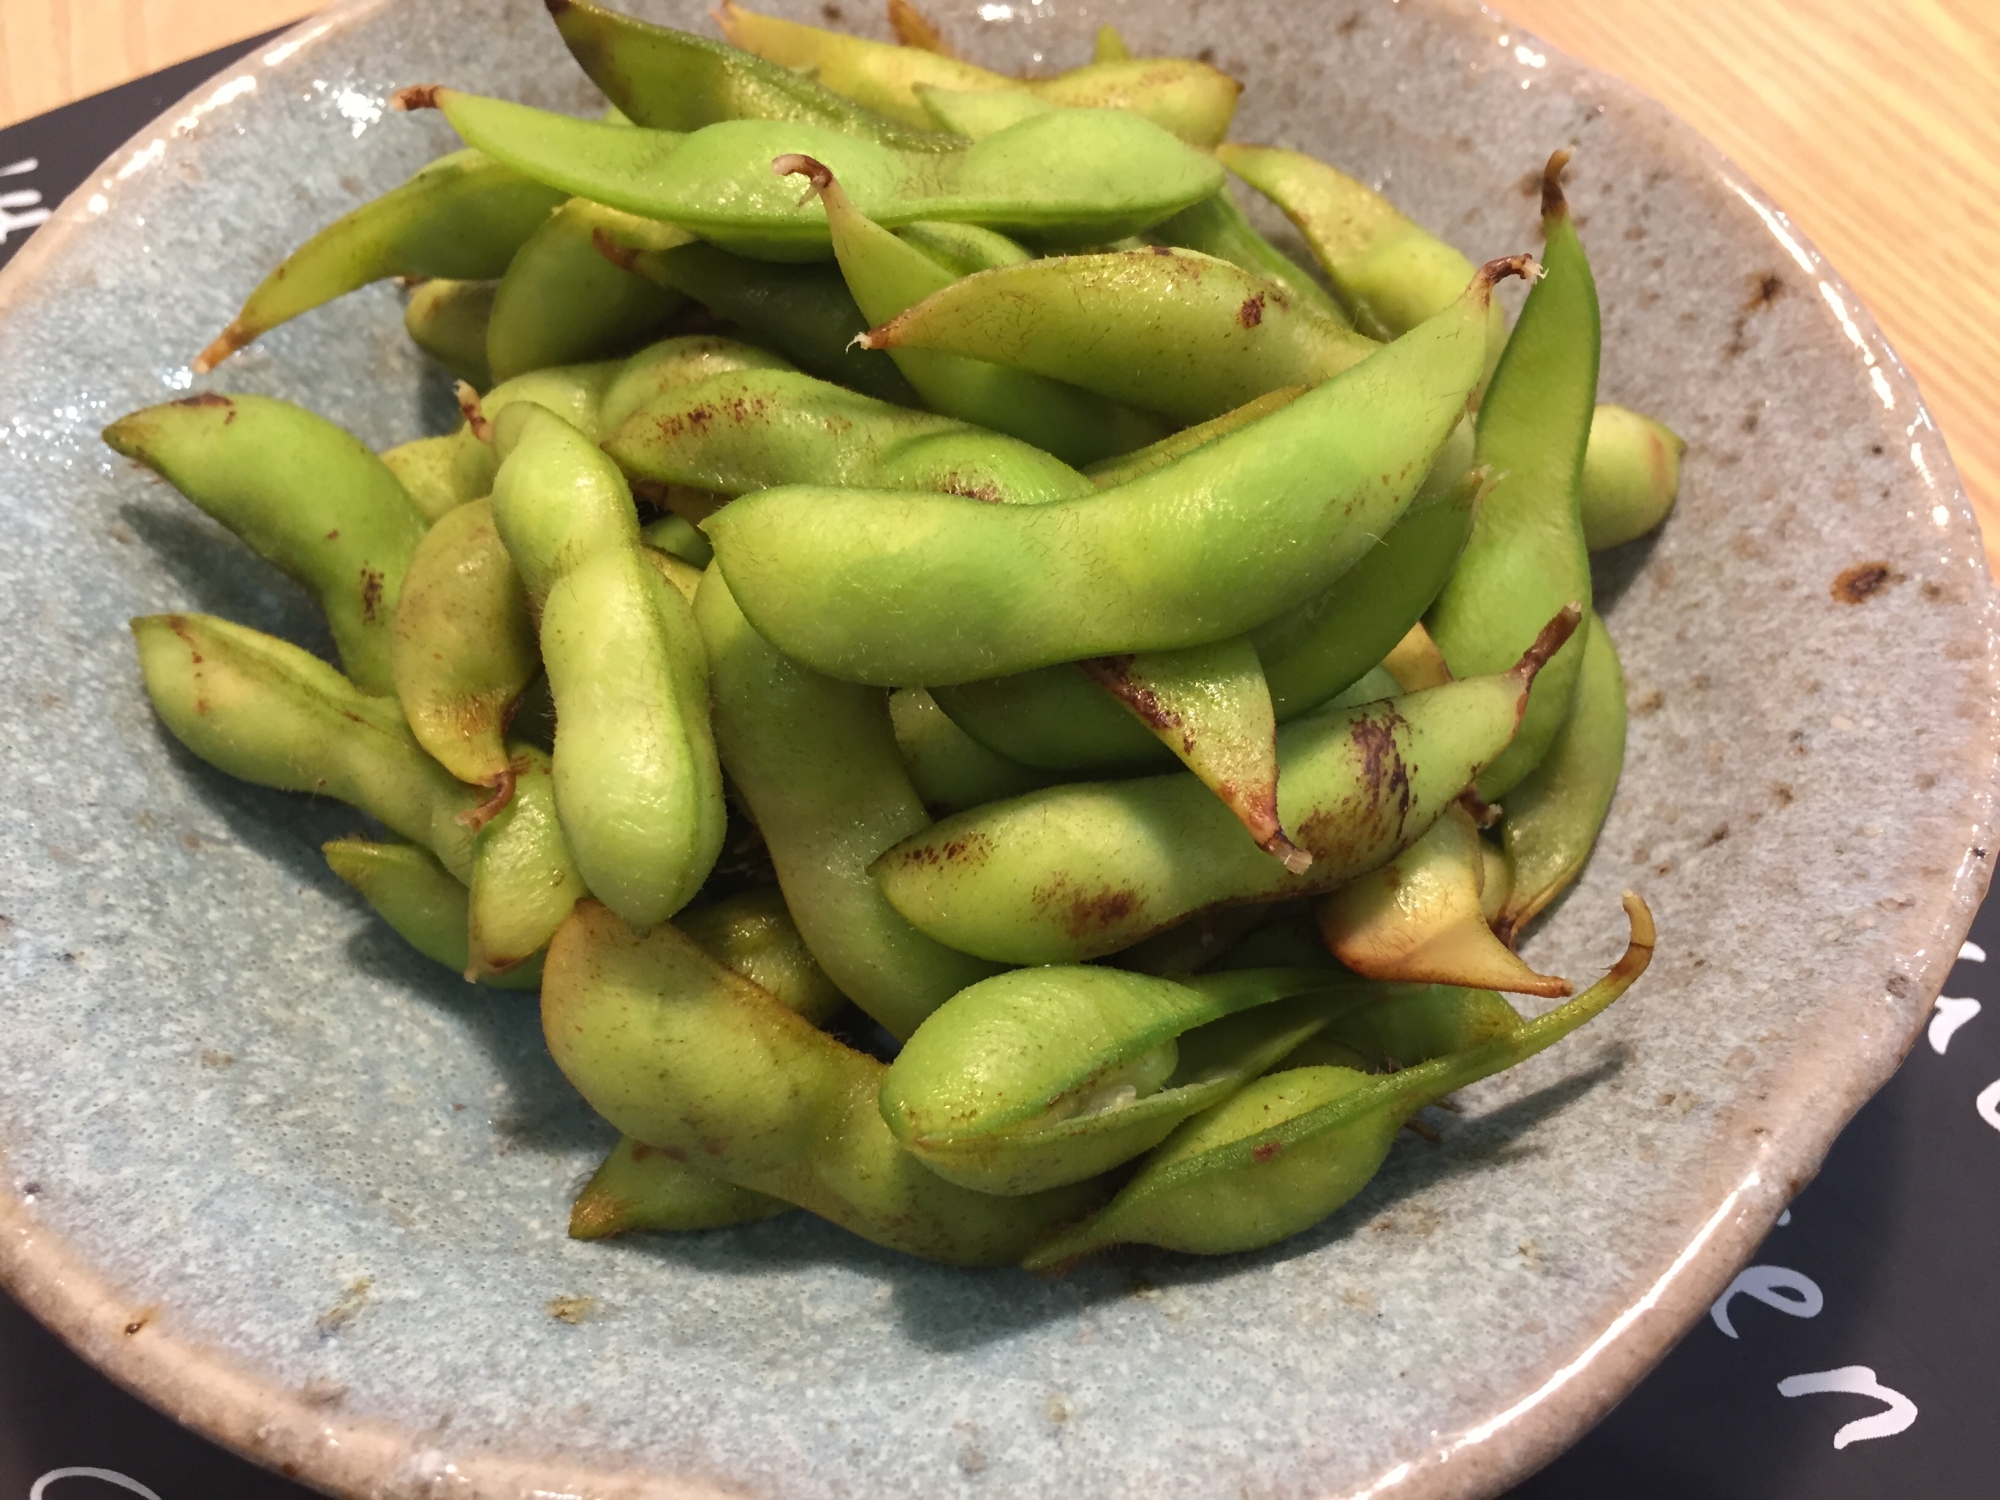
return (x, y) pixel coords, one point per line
(1854, 1358)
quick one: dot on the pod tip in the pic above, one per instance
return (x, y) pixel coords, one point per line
(559, 7)
(1289, 854)
(622, 256)
(1496, 271)
(797, 164)
(416, 96)
(1553, 201)
(232, 338)
(1550, 641)
(476, 818)
(475, 416)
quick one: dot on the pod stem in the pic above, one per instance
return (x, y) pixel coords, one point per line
(1552, 638)
(1415, 1087)
(475, 416)
(478, 817)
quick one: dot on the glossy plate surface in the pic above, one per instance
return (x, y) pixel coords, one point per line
(272, 1170)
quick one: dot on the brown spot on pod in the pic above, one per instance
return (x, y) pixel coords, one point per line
(1251, 313)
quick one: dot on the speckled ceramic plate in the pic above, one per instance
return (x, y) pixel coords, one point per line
(271, 1170)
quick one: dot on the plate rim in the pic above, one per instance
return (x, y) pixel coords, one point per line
(219, 1395)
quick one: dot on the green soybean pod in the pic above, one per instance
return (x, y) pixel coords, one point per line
(269, 713)
(753, 933)
(463, 649)
(1069, 177)
(749, 430)
(1396, 1026)
(448, 320)
(305, 494)
(1164, 330)
(1391, 273)
(886, 274)
(1631, 476)
(1217, 226)
(1188, 97)
(524, 879)
(636, 779)
(1554, 813)
(1042, 1077)
(1079, 871)
(875, 74)
(804, 312)
(421, 900)
(643, 1187)
(679, 1052)
(424, 465)
(949, 769)
(978, 113)
(817, 763)
(462, 217)
(1326, 645)
(672, 80)
(902, 588)
(1291, 1148)
(1526, 556)
(572, 392)
(963, 248)
(562, 302)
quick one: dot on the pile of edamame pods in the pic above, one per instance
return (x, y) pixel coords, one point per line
(914, 545)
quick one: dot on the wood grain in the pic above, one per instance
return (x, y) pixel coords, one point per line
(1875, 123)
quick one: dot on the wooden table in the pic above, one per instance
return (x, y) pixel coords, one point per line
(1876, 123)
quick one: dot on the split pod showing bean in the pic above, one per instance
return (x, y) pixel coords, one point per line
(915, 566)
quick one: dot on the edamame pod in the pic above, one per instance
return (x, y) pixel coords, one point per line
(572, 392)
(1216, 226)
(1418, 919)
(1042, 1077)
(1209, 705)
(1165, 330)
(448, 320)
(524, 880)
(963, 248)
(677, 1051)
(673, 364)
(671, 80)
(421, 900)
(424, 465)
(1070, 177)
(1555, 812)
(978, 113)
(753, 934)
(1109, 45)
(462, 217)
(636, 779)
(816, 761)
(886, 274)
(1187, 97)
(753, 429)
(1292, 1147)
(1308, 655)
(1398, 1026)
(1075, 872)
(874, 74)
(1318, 650)
(1631, 475)
(642, 1187)
(267, 712)
(804, 312)
(901, 588)
(562, 302)
(949, 769)
(680, 539)
(1108, 474)
(1526, 556)
(464, 647)
(305, 494)
(1391, 273)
